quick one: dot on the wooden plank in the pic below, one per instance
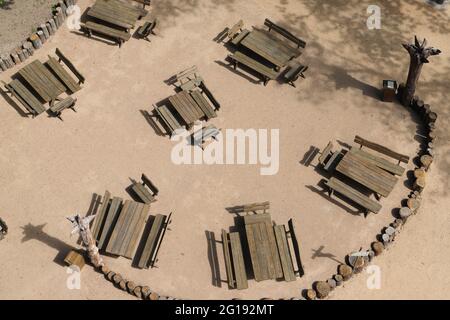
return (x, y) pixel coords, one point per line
(142, 193)
(204, 105)
(235, 29)
(330, 165)
(69, 65)
(367, 174)
(382, 149)
(168, 118)
(238, 261)
(295, 245)
(353, 195)
(35, 83)
(191, 105)
(255, 65)
(274, 256)
(53, 83)
(117, 232)
(285, 33)
(25, 97)
(136, 233)
(152, 239)
(62, 75)
(227, 257)
(109, 17)
(253, 253)
(284, 252)
(130, 222)
(99, 28)
(110, 222)
(237, 40)
(256, 218)
(99, 218)
(378, 161)
(325, 153)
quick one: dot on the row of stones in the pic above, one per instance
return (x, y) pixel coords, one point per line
(37, 39)
(357, 261)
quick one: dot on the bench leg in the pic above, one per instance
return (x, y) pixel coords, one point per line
(292, 84)
(265, 81)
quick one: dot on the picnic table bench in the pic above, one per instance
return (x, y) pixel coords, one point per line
(285, 33)
(146, 29)
(62, 74)
(235, 29)
(201, 136)
(153, 241)
(285, 254)
(186, 107)
(295, 71)
(145, 190)
(266, 72)
(381, 149)
(342, 188)
(167, 117)
(378, 161)
(118, 35)
(115, 12)
(26, 98)
(57, 108)
(234, 260)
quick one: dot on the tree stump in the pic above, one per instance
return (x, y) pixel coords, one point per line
(153, 296)
(419, 173)
(426, 110)
(323, 289)
(15, 57)
(44, 29)
(432, 136)
(432, 117)
(145, 292)
(426, 161)
(419, 105)
(3, 65)
(123, 285)
(311, 294)
(397, 223)
(117, 278)
(20, 54)
(110, 275)
(55, 18)
(386, 239)
(105, 270)
(371, 255)
(413, 204)
(53, 25)
(50, 28)
(138, 292)
(29, 47)
(389, 231)
(130, 286)
(345, 271)
(419, 184)
(377, 248)
(36, 41)
(338, 278)
(332, 283)
(26, 53)
(405, 212)
(40, 33)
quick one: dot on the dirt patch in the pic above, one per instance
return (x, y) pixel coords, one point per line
(20, 18)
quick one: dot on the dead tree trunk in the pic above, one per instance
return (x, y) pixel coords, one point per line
(419, 54)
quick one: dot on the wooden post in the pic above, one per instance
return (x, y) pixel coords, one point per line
(26, 53)
(29, 47)
(36, 41)
(55, 18)
(44, 29)
(419, 55)
(20, 54)
(15, 57)
(50, 28)
(3, 65)
(63, 7)
(53, 24)
(40, 33)
(426, 161)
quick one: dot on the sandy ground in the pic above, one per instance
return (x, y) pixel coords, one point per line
(20, 18)
(49, 169)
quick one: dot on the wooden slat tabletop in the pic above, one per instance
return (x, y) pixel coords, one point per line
(186, 107)
(367, 174)
(63, 75)
(263, 247)
(114, 12)
(378, 161)
(42, 80)
(267, 47)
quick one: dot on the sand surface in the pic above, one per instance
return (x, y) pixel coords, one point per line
(49, 168)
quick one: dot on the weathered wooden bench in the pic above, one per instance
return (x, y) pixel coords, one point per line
(325, 153)
(167, 118)
(118, 35)
(145, 190)
(342, 188)
(200, 137)
(294, 72)
(58, 107)
(266, 72)
(330, 165)
(234, 260)
(210, 96)
(234, 30)
(153, 241)
(26, 98)
(272, 26)
(237, 39)
(381, 149)
(207, 109)
(69, 64)
(147, 29)
(284, 252)
(62, 75)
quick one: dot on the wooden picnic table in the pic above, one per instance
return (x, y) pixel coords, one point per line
(187, 107)
(263, 247)
(367, 174)
(115, 12)
(269, 47)
(42, 81)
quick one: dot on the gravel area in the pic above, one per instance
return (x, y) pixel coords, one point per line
(19, 18)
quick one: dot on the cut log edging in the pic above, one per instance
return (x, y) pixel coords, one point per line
(383, 240)
(35, 41)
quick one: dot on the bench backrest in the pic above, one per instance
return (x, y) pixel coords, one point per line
(69, 64)
(256, 206)
(381, 149)
(209, 95)
(149, 184)
(299, 42)
(234, 29)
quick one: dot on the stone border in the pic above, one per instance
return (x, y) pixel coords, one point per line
(36, 40)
